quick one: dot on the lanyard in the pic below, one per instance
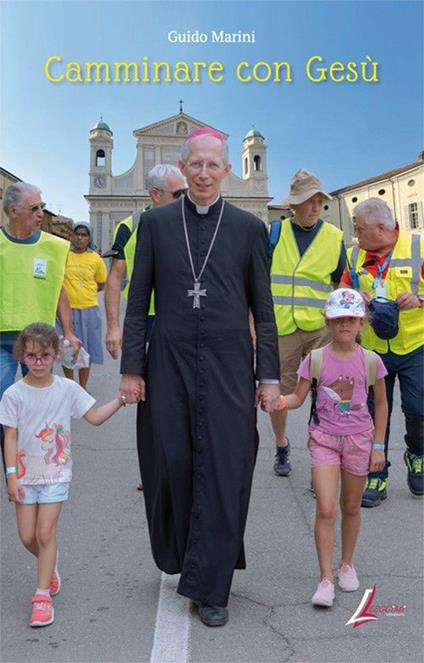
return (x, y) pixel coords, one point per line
(378, 281)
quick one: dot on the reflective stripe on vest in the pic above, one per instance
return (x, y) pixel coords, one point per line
(407, 253)
(300, 280)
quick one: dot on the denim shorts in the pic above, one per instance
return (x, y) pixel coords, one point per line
(351, 452)
(45, 493)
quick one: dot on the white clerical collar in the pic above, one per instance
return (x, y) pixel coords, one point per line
(202, 209)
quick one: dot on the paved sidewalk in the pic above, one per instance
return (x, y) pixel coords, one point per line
(106, 611)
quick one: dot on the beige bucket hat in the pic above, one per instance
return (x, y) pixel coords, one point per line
(304, 185)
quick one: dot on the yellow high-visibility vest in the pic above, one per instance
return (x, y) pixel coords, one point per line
(403, 275)
(129, 253)
(300, 285)
(31, 278)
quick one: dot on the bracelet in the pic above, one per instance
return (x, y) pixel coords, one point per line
(378, 447)
(11, 470)
(122, 400)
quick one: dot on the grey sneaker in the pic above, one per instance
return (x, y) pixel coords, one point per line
(282, 466)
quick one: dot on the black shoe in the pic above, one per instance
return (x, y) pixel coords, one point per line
(374, 493)
(415, 473)
(282, 466)
(140, 486)
(213, 615)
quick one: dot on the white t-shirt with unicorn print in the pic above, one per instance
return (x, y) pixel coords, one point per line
(42, 417)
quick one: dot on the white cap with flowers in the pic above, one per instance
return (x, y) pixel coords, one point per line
(344, 303)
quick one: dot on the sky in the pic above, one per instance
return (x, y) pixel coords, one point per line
(344, 132)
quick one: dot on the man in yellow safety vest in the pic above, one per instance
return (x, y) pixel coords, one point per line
(307, 263)
(387, 268)
(165, 184)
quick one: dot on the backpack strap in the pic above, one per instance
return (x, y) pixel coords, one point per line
(273, 237)
(315, 363)
(371, 367)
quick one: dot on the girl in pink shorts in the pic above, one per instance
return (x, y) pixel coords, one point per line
(343, 441)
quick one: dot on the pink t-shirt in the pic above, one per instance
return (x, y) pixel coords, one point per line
(342, 398)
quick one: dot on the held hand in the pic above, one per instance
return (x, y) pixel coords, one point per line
(268, 396)
(113, 341)
(76, 344)
(15, 491)
(377, 461)
(133, 387)
(406, 301)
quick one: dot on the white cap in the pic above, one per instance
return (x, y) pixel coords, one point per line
(344, 303)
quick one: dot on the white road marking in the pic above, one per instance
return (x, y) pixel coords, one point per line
(172, 628)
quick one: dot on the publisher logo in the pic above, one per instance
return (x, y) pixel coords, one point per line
(367, 612)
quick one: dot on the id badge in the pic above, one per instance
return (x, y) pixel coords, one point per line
(380, 290)
(39, 268)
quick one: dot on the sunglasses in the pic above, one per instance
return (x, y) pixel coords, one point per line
(46, 358)
(175, 194)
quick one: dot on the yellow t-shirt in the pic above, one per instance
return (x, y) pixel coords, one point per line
(82, 274)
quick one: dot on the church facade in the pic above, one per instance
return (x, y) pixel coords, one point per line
(114, 197)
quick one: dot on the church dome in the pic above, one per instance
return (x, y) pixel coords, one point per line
(253, 133)
(102, 125)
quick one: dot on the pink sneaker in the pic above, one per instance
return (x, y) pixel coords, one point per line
(348, 580)
(55, 584)
(42, 611)
(324, 594)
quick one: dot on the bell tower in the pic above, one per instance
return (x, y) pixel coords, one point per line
(101, 146)
(253, 156)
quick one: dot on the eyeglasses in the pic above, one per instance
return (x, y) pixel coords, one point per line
(175, 194)
(45, 359)
(213, 166)
(35, 208)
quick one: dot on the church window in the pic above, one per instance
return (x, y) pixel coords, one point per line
(100, 159)
(355, 199)
(246, 166)
(257, 164)
(382, 192)
(411, 182)
(181, 128)
(414, 218)
(326, 207)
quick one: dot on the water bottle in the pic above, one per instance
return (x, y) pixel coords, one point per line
(67, 359)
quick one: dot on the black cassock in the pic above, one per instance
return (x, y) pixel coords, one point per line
(197, 437)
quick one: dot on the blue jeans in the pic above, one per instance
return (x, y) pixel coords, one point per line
(409, 369)
(8, 368)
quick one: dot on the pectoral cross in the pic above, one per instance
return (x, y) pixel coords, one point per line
(196, 294)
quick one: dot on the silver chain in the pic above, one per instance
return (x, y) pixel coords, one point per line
(197, 278)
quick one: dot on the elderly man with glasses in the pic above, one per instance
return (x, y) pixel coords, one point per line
(32, 267)
(165, 184)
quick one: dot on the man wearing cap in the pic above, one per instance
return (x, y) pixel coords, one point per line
(387, 268)
(307, 263)
(208, 263)
(165, 184)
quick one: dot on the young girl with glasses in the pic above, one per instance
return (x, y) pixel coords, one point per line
(35, 413)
